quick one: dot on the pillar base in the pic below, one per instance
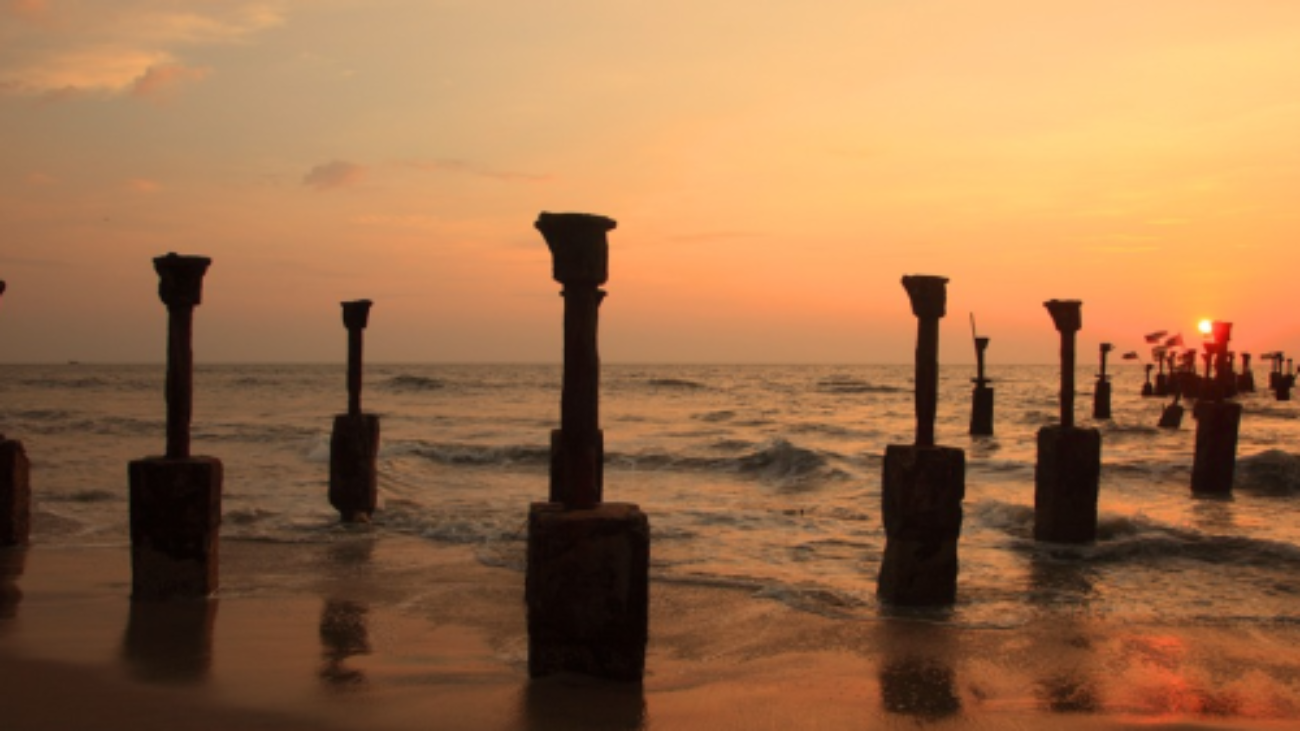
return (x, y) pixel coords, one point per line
(921, 499)
(1215, 460)
(175, 522)
(981, 413)
(1101, 400)
(1066, 479)
(587, 590)
(15, 494)
(354, 478)
(1171, 417)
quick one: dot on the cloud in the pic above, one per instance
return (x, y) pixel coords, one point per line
(142, 185)
(124, 47)
(334, 174)
(39, 179)
(161, 80)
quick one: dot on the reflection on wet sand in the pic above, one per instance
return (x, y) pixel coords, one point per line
(916, 673)
(13, 561)
(343, 634)
(562, 702)
(170, 642)
(1057, 583)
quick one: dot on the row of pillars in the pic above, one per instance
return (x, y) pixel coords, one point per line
(587, 581)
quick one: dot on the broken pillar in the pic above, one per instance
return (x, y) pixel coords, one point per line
(15, 489)
(1101, 394)
(176, 498)
(1068, 470)
(981, 412)
(1245, 379)
(354, 443)
(1147, 389)
(1162, 380)
(1172, 415)
(923, 485)
(1217, 424)
(588, 567)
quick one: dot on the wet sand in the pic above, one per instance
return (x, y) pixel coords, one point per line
(397, 633)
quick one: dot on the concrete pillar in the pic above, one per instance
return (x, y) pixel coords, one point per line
(1217, 424)
(923, 485)
(1147, 388)
(176, 498)
(354, 443)
(15, 489)
(1101, 393)
(1068, 470)
(981, 413)
(1245, 379)
(1162, 380)
(587, 582)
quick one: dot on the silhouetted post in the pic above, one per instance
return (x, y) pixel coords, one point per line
(176, 499)
(1068, 470)
(587, 583)
(354, 443)
(1101, 395)
(981, 413)
(923, 484)
(1162, 381)
(15, 489)
(1172, 415)
(1147, 389)
(1217, 425)
(1245, 379)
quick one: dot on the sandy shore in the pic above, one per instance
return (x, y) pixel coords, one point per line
(398, 633)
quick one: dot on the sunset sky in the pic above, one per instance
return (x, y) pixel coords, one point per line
(775, 168)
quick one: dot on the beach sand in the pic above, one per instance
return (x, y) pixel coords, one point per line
(389, 632)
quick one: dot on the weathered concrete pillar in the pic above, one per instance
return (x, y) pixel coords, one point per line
(1101, 394)
(587, 583)
(1172, 415)
(15, 489)
(1147, 388)
(1217, 424)
(354, 443)
(1162, 381)
(176, 499)
(1068, 471)
(1245, 379)
(981, 412)
(923, 485)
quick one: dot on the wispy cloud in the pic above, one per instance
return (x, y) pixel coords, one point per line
(142, 185)
(124, 47)
(334, 174)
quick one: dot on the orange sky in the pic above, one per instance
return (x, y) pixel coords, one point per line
(775, 168)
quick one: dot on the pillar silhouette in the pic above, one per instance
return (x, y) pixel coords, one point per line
(1101, 393)
(15, 489)
(1068, 470)
(587, 583)
(981, 413)
(923, 484)
(1245, 379)
(176, 499)
(1218, 421)
(354, 442)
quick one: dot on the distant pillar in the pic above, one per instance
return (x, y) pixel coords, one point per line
(923, 484)
(1101, 394)
(15, 489)
(1162, 381)
(176, 499)
(981, 413)
(1147, 389)
(1217, 424)
(587, 582)
(1245, 379)
(1068, 470)
(354, 443)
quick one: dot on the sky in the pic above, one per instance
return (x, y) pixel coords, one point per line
(775, 168)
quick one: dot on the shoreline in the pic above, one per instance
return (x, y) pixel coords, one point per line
(392, 632)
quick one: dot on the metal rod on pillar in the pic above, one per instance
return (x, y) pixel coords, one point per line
(356, 315)
(180, 287)
(1068, 318)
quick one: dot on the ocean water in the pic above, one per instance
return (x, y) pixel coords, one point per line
(760, 477)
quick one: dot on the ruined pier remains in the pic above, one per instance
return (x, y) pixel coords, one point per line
(354, 443)
(15, 489)
(587, 583)
(176, 498)
(1101, 393)
(923, 484)
(1217, 422)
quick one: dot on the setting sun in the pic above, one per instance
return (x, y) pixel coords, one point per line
(1204, 326)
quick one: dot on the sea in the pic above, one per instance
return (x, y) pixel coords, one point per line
(763, 478)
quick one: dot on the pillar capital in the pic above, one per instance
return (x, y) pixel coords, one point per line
(579, 246)
(929, 294)
(356, 314)
(1067, 315)
(181, 279)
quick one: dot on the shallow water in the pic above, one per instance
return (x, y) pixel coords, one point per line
(765, 477)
